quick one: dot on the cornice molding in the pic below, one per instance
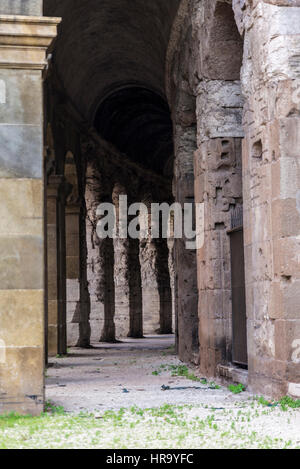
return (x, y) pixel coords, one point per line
(24, 41)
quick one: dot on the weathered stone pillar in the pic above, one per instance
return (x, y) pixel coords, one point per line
(64, 191)
(57, 192)
(135, 290)
(164, 286)
(218, 190)
(151, 299)
(122, 313)
(53, 186)
(72, 254)
(156, 288)
(171, 247)
(217, 168)
(127, 274)
(108, 287)
(73, 273)
(121, 273)
(271, 172)
(94, 268)
(151, 306)
(100, 263)
(23, 43)
(186, 291)
(85, 302)
(218, 183)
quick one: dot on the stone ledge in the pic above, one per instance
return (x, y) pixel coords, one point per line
(294, 389)
(232, 373)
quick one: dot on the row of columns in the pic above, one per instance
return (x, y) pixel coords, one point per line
(100, 289)
(129, 279)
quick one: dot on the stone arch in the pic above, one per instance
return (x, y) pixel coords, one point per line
(136, 119)
(223, 45)
(182, 101)
(203, 87)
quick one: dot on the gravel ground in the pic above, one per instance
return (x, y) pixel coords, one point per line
(130, 376)
(97, 379)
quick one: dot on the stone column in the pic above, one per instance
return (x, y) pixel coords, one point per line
(72, 254)
(23, 43)
(186, 292)
(171, 247)
(271, 171)
(73, 273)
(218, 190)
(135, 290)
(64, 191)
(100, 262)
(156, 288)
(164, 286)
(107, 284)
(121, 274)
(128, 288)
(151, 318)
(151, 299)
(57, 192)
(53, 186)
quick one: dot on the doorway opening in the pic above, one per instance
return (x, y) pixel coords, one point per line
(239, 317)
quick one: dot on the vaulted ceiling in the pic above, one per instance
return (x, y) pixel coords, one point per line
(110, 56)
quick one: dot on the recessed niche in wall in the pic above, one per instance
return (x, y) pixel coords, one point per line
(257, 149)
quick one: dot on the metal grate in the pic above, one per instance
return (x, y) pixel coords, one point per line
(237, 218)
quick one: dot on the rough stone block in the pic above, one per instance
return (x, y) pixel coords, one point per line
(15, 305)
(285, 218)
(22, 103)
(289, 137)
(291, 298)
(294, 390)
(21, 207)
(73, 289)
(286, 259)
(21, 151)
(52, 340)
(73, 266)
(287, 341)
(21, 263)
(22, 380)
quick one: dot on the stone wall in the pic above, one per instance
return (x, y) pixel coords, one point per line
(209, 44)
(22, 215)
(270, 77)
(204, 61)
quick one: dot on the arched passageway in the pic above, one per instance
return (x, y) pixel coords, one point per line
(139, 113)
(107, 107)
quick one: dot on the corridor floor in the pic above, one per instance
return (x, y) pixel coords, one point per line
(131, 373)
(126, 396)
(130, 394)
